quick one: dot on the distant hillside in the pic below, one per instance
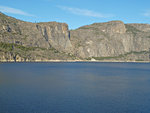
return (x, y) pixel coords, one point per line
(114, 40)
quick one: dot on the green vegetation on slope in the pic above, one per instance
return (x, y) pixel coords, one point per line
(11, 47)
(131, 29)
(33, 53)
(119, 56)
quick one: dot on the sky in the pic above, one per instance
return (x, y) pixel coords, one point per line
(77, 13)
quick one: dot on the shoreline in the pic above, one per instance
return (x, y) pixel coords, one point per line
(57, 61)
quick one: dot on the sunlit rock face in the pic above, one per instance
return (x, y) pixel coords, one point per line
(45, 35)
(110, 39)
(25, 41)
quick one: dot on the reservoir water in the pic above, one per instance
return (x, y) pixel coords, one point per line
(75, 87)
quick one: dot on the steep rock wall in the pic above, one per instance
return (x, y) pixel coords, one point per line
(25, 41)
(45, 35)
(110, 39)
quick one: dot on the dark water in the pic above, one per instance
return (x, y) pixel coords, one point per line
(75, 88)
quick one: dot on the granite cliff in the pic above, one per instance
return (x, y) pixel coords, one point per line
(114, 40)
(25, 41)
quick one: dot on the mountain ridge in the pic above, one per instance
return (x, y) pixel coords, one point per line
(113, 40)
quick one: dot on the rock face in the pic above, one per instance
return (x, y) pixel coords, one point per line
(111, 40)
(44, 35)
(25, 41)
(114, 40)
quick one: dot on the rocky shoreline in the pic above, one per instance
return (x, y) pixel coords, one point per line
(49, 61)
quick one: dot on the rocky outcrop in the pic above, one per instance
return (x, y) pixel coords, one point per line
(114, 40)
(25, 41)
(111, 39)
(44, 35)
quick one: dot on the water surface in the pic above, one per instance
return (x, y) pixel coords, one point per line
(75, 88)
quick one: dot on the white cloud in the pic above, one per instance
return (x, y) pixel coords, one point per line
(85, 12)
(147, 13)
(6, 9)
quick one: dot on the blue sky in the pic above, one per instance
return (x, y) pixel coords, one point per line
(77, 13)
